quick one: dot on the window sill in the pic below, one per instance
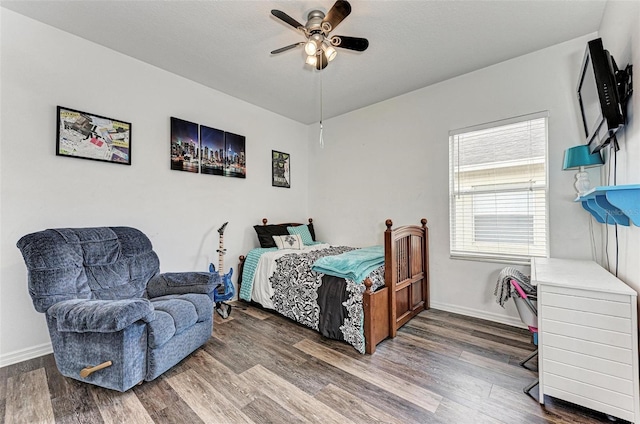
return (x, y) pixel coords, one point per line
(499, 260)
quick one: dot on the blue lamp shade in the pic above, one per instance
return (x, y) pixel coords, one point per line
(575, 157)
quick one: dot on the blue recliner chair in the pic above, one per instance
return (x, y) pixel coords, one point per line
(114, 320)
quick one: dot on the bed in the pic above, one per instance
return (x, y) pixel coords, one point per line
(360, 313)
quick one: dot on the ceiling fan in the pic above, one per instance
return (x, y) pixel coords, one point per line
(319, 46)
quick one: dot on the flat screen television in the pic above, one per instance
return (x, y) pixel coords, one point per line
(600, 105)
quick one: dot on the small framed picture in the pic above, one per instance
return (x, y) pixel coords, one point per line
(89, 136)
(280, 169)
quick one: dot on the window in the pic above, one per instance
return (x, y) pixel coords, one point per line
(498, 190)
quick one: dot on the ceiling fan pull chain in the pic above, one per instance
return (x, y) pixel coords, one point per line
(321, 127)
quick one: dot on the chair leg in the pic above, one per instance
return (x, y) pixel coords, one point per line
(528, 358)
(527, 389)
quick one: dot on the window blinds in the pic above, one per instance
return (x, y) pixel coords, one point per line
(498, 190)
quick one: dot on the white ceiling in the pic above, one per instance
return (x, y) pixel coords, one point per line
(226, 45)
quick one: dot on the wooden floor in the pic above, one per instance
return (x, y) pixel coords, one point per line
(261, 368)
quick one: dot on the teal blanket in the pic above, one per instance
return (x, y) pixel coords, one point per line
(355, 265)
(249, 270)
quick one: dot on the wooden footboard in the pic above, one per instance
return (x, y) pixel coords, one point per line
(406, 272)
(406, 291)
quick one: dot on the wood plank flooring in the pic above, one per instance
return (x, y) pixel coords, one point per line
(262, 368)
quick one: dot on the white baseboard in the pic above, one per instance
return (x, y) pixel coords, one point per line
(25, 354)
(477, 313)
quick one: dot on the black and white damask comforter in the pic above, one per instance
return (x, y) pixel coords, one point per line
(284, 282)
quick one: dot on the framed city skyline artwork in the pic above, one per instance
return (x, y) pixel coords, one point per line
(206, 150)
(213, 151)
(235, 160)
(185, 146)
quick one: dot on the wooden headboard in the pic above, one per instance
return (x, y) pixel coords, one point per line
(288, 224)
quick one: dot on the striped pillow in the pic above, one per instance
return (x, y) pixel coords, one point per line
(303, 232)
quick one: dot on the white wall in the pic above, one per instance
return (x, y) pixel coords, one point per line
(43, 67)
(620, 32)
(390, 160)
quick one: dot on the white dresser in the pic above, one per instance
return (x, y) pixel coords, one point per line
(588, 337)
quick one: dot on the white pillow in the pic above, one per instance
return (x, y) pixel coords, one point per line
(290, 241)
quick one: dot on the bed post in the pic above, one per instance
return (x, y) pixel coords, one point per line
(369, 343)
(240, 269)
(390, 265)
(425, 250)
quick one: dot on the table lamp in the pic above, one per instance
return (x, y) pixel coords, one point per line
(578, 157)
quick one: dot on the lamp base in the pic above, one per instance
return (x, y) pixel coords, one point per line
(582, 184)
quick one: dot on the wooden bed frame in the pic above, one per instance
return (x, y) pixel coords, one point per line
(406, 290)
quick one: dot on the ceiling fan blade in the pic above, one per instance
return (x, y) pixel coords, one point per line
(351, 43)
(289, 47)
(338, 12)
(322, 61)
(286, 18)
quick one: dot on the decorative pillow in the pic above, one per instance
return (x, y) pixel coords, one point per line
(289, 241)
(266, 232)
(303, 232)
(311, 231)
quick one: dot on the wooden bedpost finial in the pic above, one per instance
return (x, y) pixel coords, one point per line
(310, 220)
(242, 258)
(388, 223)
(264, 221)
(367, 284)
(423, 221)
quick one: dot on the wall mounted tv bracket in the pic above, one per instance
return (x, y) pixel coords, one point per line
(624, 84)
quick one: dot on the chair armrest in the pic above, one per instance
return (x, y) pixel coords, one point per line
(100, 316)
(182, 283)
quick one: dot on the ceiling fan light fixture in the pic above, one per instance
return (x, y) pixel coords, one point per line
(313, 44)
(310, 48)
(329, 51)
(312, 60)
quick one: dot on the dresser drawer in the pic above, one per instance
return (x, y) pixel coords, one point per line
(615, 369)
(589, 294)
(587, 319)
(620, 308)
(612, 338)
(596, 379)
(596, 350)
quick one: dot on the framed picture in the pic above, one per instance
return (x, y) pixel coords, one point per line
(185, 146)
(212, 151)
(235, 160)
(88, 136)
(280, 169)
